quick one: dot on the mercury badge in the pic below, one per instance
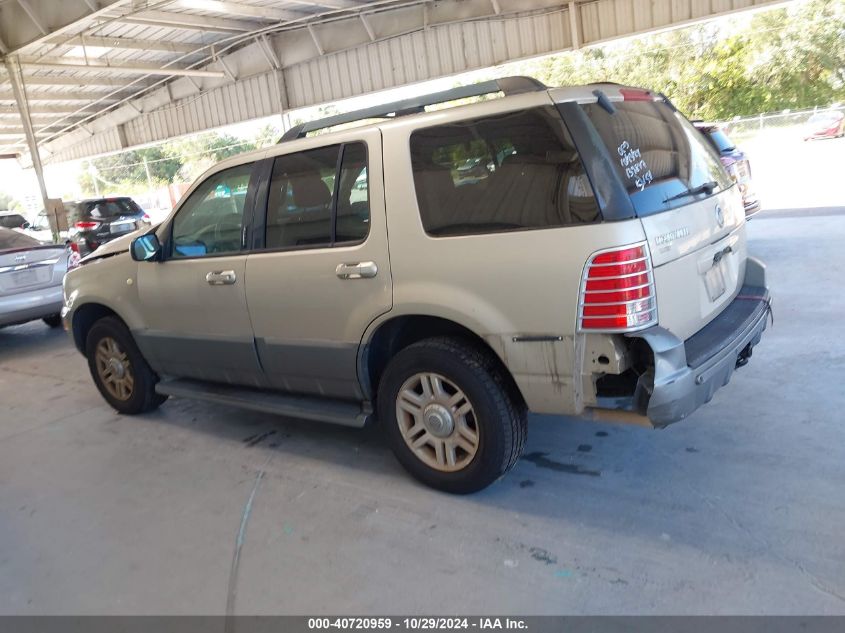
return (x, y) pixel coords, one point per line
(720, 216)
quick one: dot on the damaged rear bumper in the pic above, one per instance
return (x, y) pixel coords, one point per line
(688, 373)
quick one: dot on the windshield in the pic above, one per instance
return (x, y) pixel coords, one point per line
(658, 154)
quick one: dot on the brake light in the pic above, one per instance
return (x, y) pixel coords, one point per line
(87, 226)
(73, 255)
(617, 291)
(634, 94)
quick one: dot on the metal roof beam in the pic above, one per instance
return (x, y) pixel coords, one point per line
(189, 22)
(60, 80)
(124, 43)
(241, 10)
(330, 4)
(58, 96)
(63, 17)
(33, 15)
(133, 69)
(35, 111)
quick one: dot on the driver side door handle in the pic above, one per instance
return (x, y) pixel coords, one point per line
(221, 278)
(359, 270)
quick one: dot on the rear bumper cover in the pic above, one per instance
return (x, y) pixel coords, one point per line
(688, 373)
(28, 306)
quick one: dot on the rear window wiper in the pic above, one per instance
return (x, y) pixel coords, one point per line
(706, 187)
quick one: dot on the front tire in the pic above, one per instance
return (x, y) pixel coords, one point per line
(451, 415)
(120, 372)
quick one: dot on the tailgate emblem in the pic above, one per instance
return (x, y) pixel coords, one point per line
(671, 236)
(720, 216)
(20, 258)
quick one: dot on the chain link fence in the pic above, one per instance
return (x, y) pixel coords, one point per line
(787, 123)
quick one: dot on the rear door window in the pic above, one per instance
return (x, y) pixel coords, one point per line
(658, 154)
(319, 198)
(513, 171)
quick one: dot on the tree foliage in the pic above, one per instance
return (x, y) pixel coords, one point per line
(9, 203)
(792, 57)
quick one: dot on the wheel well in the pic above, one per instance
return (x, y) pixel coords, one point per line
(398, 333)
(84, 318)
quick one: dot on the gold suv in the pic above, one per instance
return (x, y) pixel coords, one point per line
(573, 251)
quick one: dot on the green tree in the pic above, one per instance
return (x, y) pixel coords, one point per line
(793, 57)
(9, 203)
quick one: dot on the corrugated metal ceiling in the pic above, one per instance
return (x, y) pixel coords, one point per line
(271, 55)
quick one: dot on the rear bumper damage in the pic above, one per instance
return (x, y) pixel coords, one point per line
(688, 373)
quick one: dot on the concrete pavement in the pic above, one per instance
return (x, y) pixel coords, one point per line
(739, 509)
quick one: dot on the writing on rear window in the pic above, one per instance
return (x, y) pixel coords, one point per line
(636, 169)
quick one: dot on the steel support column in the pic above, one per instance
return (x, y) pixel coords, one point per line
(16, 77)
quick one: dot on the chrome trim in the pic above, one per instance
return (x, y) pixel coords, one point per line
(647, 271)
(42, 264)
(604, 292)
(617, 303)
(579, 317)
(627, 261)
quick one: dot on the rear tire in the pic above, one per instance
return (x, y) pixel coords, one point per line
(54, 320)
(120, 372)
(451, 415)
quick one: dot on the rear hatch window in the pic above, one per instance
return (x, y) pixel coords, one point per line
(107, 209)
(13, 221)
(691, 213)
(658, 154)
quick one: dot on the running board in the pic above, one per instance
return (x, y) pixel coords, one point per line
(320, 409)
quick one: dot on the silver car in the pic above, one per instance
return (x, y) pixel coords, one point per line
(31, 275)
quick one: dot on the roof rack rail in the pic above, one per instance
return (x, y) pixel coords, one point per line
(508, 85)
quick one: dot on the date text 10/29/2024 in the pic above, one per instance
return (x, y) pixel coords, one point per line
(418, 624)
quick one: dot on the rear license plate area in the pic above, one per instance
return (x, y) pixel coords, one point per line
(23, 278)
(122, 227)
(714, 281)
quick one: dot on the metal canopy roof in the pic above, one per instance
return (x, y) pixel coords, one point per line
(104, 75)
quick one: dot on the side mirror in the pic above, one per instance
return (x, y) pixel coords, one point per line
(146, 248)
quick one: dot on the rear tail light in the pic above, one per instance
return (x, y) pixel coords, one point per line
(617, 291)
(73, 255)
(87, 226)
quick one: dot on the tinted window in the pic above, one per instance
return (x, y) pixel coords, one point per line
(13, 239)
(211, 220)
(353, 201)
(309, 205)
(513, 171)
(658, 153)
(12, 221)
